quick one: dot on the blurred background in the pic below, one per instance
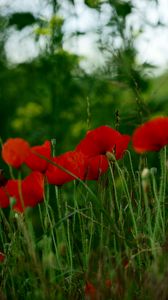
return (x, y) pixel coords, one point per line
(69, 66)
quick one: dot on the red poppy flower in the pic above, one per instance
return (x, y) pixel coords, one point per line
(36, 163)
(151, 136)
(108, 283)
(104, 139)
(72, 161)
(96, 166)
(90, 291)
(2, 256)
(27, 192)
(14, 151)
(4, 199)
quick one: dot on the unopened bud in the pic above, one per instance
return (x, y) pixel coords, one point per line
(12, 201)
(145, 173)
(153, 171)
(110, 156)
(145, 178)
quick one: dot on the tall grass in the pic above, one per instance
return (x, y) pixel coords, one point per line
(111, 233)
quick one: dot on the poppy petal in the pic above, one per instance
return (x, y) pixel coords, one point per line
(33, 189)
(14, 151)
(121, 146)
(27, 192)
(151, 136)
(36, 163)
(72, 161)
(4, 199)
(97, 166)
(101, 140)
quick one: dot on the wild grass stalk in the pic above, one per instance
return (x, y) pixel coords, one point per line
(116, 234)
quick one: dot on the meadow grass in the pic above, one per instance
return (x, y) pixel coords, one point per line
(111, 234)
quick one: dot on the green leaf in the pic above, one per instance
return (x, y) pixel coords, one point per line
(92, 3)
(21, 20)
(123, 9)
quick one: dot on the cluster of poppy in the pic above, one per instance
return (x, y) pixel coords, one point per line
(87, 162)
(91, 292)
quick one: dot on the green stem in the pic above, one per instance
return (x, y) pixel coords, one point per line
(162, 190)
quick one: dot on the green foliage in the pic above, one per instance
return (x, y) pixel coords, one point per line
(92, 3)
(21, 20)
(55, 82)
(122, 8)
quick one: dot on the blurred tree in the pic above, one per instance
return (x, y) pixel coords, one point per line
(48, 85)
(52, 96)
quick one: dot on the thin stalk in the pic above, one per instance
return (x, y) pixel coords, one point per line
(69, 245)
(159, 223)
(101, 232)
(162, 189)
(133, 175)
(148, 213)
(53, 236)
(120, 214)
(91, 232)
(125, 186)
